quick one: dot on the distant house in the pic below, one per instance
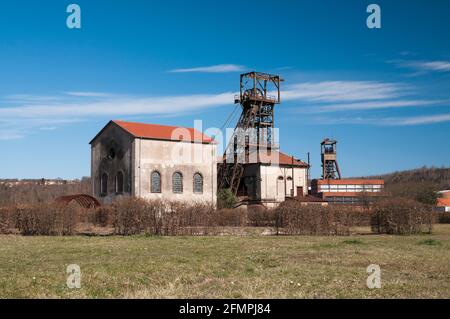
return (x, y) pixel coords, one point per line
(443, 205)
(153, 162)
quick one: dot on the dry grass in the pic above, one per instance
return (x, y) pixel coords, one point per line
(227, 266)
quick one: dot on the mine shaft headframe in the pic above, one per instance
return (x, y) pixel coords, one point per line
(259, 87)
(330, 167)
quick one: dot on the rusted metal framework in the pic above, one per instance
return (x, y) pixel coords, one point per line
(259, 93)
(330, 167)
(84, 200)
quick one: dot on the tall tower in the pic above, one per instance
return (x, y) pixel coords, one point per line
(259, 92)
(330, 167)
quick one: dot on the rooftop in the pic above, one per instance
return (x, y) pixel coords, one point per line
(443, 202)
(162, 132)
(274, 157)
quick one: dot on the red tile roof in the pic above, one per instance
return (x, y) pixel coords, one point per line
(164, 132)
(285, 159)
(443, 202)
(275, 157)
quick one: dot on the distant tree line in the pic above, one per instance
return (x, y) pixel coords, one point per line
(39, 192)
(419, 184)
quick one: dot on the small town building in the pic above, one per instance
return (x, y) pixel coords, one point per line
(443, 205)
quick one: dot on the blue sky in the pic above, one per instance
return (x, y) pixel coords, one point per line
(382, 93)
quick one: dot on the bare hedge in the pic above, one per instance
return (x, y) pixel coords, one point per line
(293, 218)
(46, 219)
(401, 216)
(136, 216)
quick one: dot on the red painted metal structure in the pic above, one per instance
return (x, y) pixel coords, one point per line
(84, 200)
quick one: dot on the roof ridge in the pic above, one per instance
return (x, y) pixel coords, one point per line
(163, 132)
(153, 124)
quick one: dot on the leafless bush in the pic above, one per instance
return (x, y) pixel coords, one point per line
(442, 218)
(100, 217)
(259, 216)
(7, 219)
(293, 218)
(230, 217)
(401, 216)
(136, 216)
(46, 219)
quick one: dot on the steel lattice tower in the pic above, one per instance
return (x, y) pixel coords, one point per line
(259, 92)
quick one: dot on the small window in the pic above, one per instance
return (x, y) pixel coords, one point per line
(119, 183)
(155, 182)
(280, 178)
(112, 153)
(177, 183)
(104, 184)
(198, 183)
(289, 178)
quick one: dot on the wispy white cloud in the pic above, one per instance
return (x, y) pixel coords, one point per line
(89, 94)
(362, 106)
(422, 67)
(20, 117)
(22, 114)
(418, 120)
(385, 121)
(340, 91)
(120, 105)
(219, 68)
(29, 99)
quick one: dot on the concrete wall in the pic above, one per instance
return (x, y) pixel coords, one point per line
(168, 157)
(113, 141)
(273, 188)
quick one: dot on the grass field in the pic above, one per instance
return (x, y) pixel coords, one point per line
(227, 266)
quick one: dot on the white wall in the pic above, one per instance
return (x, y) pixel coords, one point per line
(168, 157)
(270, 184)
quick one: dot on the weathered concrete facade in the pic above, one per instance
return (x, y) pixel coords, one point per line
(111, 153)
(172, 157)
(271, 184)
(135, 159)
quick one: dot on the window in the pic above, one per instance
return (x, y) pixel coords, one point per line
(104, 184)
(155, 182)
(111, 153)
(198, 183)
(119, 183)
(177, 183)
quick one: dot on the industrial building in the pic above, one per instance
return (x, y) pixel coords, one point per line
(443, 204)
(253, 167)
(336, 190)
(180, 164)
(153, 162)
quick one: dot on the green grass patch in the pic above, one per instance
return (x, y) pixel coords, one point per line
(430, 242)
(353, 242)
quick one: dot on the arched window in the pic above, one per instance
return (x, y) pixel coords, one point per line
(155, 180)
(177, 183)
(119, 183)
(280, 178)
(104, 184)
(289, 178)
(198, 183)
